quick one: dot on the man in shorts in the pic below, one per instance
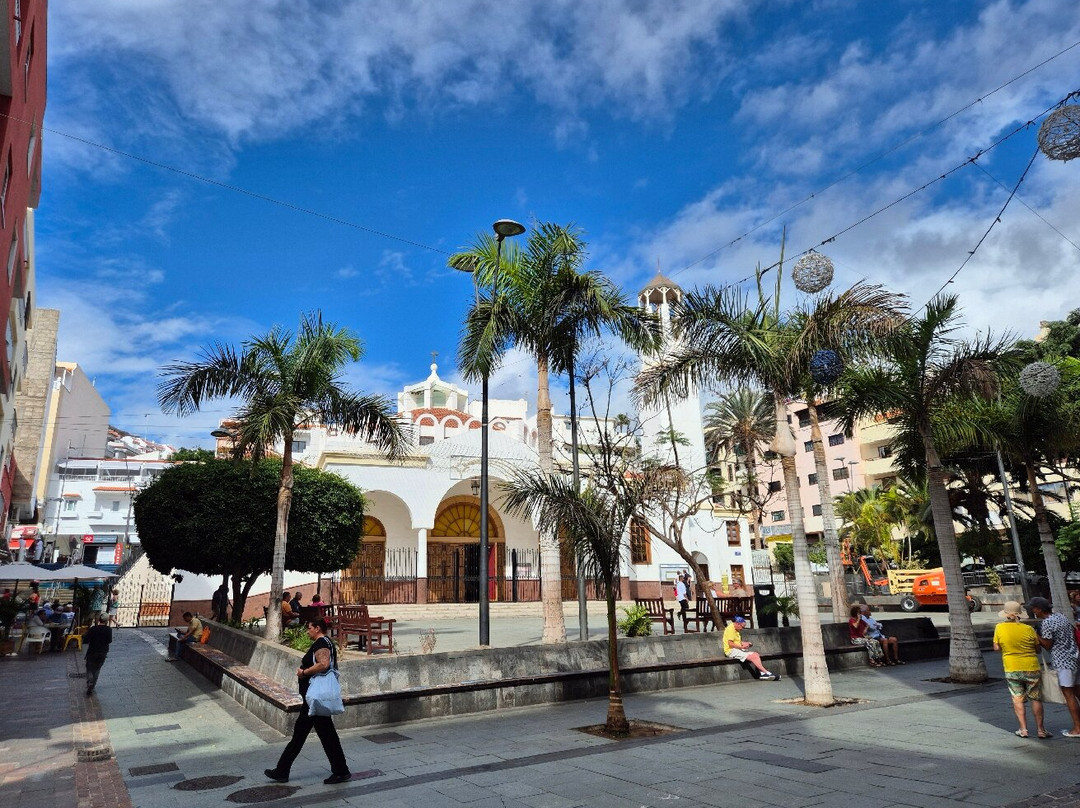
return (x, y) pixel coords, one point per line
(1056, 633)
(735, 648)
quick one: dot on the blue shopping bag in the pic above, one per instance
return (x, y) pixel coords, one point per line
(324, 694)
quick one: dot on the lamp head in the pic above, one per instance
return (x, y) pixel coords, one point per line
(222, 433)
(507, 227)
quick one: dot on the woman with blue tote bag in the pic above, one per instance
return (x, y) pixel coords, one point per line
(318, 665)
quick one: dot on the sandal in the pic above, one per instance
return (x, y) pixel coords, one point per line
(1044, 734)
(1021, 733)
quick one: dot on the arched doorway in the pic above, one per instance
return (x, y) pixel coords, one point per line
(363, 581)
(454, 552)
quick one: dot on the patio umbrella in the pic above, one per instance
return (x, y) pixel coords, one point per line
(78, 572)
(25, 571)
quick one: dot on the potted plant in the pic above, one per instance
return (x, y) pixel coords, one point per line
(783, 605)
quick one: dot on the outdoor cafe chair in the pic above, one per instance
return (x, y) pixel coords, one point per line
(75, 635)
(39, 635)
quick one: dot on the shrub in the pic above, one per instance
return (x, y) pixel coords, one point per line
(636, 623)
(296, 638)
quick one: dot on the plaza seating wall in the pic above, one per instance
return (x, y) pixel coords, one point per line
(389, 689)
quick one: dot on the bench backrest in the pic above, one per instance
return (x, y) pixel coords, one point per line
(652, 605)
(352, 615)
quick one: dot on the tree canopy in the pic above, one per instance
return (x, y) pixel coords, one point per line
(218, 518)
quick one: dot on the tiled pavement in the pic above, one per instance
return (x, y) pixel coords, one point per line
(912, 742)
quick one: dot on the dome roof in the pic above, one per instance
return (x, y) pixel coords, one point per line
(661, 282)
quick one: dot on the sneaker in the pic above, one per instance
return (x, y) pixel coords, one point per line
(334, 779)
(767, 675)
(276, 776)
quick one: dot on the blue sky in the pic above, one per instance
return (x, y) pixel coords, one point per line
(665, 130)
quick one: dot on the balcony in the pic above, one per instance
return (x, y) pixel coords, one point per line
(876, 432)
(879, 467)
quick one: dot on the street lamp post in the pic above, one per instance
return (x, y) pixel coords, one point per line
(503, 228)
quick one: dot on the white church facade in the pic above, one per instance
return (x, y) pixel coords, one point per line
(421, 540)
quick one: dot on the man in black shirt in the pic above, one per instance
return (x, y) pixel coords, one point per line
(97, 641)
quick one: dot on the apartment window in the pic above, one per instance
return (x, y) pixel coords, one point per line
(26, 63)
(817, 510)
(13, 254)
(69, 505)
(640, 546)
(426, 440)
(18, 21)
(804, 418)
(731, 473)
(884, 451)
(778, 516)
(774, 486)
(31, 147)
(837, 439)
(298, 446)
(116, 505)
(812, 479)
(734, 535)
(841, 473)
(4, 190)
(808, 446)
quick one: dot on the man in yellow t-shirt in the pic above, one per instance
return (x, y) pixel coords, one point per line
(734, 647)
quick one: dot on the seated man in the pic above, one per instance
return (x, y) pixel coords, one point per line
(735, 648)
(288, 616)
(193, 633)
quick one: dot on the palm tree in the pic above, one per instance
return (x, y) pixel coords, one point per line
(283, 381)
(740, 423)
(543, 302)
(866, 522)
(925, 373)
(1036, 432)
(724, 337)
(593, 523)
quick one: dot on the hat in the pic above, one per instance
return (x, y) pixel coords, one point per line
(739, 618)
(1012, 609)
(1039, 603)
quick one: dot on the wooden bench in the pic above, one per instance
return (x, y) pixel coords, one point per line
(701, 615)
(658, 613)
(373, 633)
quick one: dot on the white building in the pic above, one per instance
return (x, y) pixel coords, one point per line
(422, 528)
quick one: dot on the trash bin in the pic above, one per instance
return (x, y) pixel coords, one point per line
(765, 595)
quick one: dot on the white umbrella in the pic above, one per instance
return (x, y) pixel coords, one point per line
(24, 571)
(78, 572)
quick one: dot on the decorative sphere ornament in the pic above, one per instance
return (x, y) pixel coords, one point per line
(1040, 379)
(826, 366)
(813, 272)
(1059, 135)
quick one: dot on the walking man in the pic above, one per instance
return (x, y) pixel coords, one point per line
(682, 595)
(1056, 633)
(97, 641)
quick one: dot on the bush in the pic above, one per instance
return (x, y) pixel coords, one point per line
(636, 623)
(296, 638)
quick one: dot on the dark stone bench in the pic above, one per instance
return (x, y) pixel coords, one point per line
(216, 665)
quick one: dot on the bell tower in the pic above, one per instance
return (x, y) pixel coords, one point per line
(680, 417)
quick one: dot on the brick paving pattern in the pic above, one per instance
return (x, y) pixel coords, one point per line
(910, 742)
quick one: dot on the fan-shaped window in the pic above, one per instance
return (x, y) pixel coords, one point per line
(373, 528)
(462, 520)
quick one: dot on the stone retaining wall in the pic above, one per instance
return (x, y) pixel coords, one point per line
(393, 688)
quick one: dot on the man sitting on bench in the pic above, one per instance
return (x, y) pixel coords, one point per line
(735, 648)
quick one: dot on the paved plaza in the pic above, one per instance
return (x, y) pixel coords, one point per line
(177, 742)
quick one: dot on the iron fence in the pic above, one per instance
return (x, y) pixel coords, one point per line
(390, 578)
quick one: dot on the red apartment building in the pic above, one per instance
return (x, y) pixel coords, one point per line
(22, 109)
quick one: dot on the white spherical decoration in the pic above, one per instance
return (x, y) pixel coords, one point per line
(813, 272)
(1040, 379)
(1059, 135)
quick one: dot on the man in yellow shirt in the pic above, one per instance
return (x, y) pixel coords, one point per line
(735, 648)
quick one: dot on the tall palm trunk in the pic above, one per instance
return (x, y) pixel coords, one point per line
(837, 581)
(616, 714)
(755, 513)
(966, 662)
(816, 679)
(550, 564)
(1059, 594)
(281, 538)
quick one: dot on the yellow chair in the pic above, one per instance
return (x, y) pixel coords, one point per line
(75, 636)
